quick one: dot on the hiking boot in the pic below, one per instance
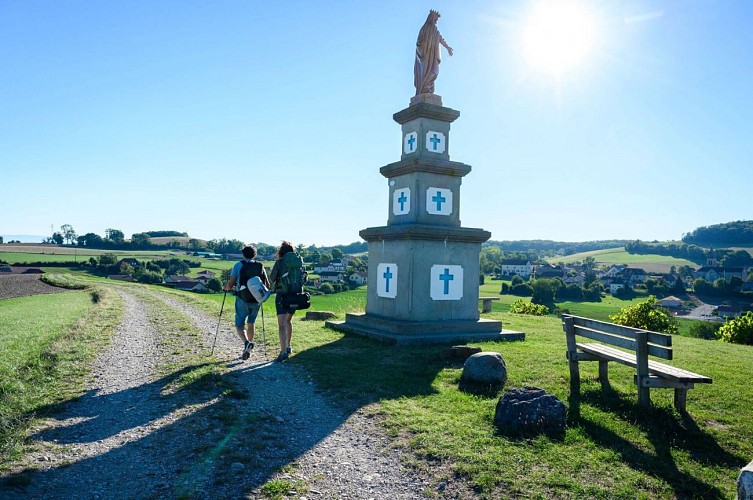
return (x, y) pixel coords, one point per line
(289, 350)
(247, 350)
(282, 357)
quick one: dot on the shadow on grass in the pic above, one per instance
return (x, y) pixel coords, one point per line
(219, 421)
(665, 429)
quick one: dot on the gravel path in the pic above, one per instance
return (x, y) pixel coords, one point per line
(134, 435)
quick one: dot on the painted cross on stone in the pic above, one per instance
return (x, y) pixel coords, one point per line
(446, 277)
(387, 277)
(435, 141)
(438, 199)
(411, 142)
(402, 199)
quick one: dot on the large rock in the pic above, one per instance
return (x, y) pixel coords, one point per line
(485, 371)
(529, 410)
(745, 483)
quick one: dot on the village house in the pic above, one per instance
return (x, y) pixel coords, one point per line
(633, 275)
(335, 266)
(614, 271)
(359, 278)
(510, 267)
(331, 277)
(713, 273)
(191, 286)
(177, 279)
(616, 285)
(670, 302)
(725, 311)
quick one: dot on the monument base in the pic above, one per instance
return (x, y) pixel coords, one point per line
(424, 332)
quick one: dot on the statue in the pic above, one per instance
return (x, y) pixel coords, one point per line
(428, 55)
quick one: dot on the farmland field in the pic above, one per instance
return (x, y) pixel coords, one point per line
(651, 263)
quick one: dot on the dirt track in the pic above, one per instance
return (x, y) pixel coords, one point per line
(20, 285)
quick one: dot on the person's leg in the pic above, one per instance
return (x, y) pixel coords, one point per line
(281, 325)
(241, 312)
(250, 330)
(289, 331)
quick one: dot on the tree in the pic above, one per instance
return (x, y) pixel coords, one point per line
(90, 240)
(114, 235)
(1, 240)
(57, 238)
(543, 292)
(646, 315)
(327, 288)
(337, 254)
(68, 233)
(214, 285)
(140, 240)
(738, 330)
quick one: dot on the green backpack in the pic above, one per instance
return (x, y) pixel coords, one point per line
(291, 273)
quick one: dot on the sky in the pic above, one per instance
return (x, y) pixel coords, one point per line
(269, 120)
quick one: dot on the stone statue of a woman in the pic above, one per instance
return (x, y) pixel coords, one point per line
(428, 55)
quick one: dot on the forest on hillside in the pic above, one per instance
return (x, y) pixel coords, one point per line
(542, 249)
(729, 234)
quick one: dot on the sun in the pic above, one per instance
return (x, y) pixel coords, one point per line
(558, 36)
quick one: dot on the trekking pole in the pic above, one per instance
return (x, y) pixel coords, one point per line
(218, 322)
(264, 332)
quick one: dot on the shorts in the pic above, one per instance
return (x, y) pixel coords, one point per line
(245, 312)
(280, 308)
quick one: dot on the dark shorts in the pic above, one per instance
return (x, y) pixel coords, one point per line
(280, 308)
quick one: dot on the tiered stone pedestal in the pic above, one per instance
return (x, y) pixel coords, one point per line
(423, 274)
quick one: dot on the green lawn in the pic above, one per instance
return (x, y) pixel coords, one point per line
(612, 448)
(46, 342)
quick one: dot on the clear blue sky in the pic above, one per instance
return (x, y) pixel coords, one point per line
(263, 121)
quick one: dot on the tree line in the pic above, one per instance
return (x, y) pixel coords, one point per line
(724, 257)
(737, 233)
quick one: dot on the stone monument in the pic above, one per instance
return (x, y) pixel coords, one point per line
(423, 277)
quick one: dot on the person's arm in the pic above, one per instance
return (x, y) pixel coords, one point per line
(234, 274)
(273, 275)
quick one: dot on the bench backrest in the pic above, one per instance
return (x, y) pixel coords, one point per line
(658, 344)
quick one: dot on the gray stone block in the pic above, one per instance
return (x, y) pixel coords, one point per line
(529, 410)
(484, 370)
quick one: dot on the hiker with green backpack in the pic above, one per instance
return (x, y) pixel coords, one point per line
(246, 305)
(287, 277)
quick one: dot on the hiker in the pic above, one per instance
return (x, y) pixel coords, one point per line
(246, 306)
(287, 277)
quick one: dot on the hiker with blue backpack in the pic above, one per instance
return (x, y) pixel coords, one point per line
(288, 276)
(246, 303)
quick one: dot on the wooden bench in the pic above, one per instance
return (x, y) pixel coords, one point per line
(640, 344)
(486, 304)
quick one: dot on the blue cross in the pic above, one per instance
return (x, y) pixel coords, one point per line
(435, 140)
(387, 277)
(411, 140)
(402, 199)
(438, 199)
(446, 277)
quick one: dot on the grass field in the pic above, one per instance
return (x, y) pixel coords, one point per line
(610, 256)
(46, 343)
(611, 449)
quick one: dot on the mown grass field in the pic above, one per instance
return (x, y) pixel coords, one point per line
(651, 263)
(47, 342)
(611, 449)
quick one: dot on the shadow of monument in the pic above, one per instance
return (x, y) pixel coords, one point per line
(233, 437)
(664, 430)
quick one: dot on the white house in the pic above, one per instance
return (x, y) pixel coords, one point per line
(359, 278)
(331, 267)
(614, 271)
(670, 302)
(615, 286)
(331, 277)
(522, 268)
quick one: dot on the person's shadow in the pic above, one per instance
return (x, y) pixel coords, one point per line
(233, 431)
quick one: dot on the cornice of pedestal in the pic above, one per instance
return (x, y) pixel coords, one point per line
(423, 164)
(425, 232)
(426, 110)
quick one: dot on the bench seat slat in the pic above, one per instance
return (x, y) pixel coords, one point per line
(625, 343)
(654, 367)
(624, 331)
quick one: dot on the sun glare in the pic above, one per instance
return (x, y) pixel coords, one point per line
(558, 36)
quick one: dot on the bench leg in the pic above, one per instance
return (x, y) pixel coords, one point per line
(574, 377)
(680, 398)
(604, 373)
(644, 398)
